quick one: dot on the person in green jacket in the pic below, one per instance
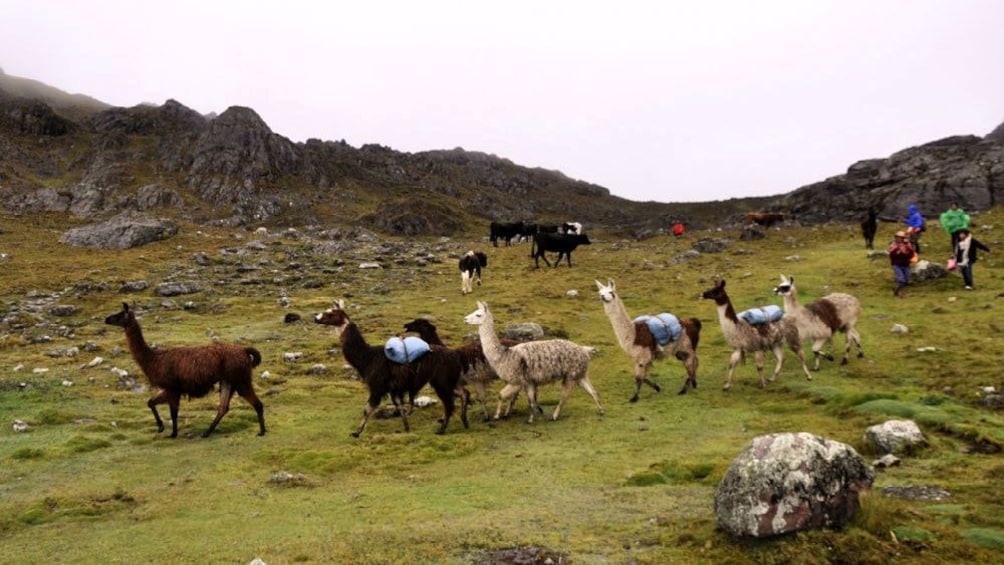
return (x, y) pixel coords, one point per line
(954, 220)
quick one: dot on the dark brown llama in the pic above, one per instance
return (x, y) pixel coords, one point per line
(192, 371)
(478, 373)
(440, 367)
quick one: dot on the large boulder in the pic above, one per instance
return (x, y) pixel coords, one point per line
(124, 231)
(788, 482)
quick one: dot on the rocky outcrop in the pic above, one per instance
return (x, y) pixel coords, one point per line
(997, 135)
(784, 483)
(966, 169)
(124, 231)
(238, 161)
(31, 117)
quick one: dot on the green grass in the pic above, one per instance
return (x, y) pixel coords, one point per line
(92, 479)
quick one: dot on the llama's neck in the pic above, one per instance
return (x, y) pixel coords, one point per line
(431, 337)
(354, 347)
(791, 301)
(141, 352)
(623, 326)
(727, 318)
(490, 344)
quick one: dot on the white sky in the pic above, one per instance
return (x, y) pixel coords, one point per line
(669, 101)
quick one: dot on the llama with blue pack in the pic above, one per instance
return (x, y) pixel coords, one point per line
(647, 338)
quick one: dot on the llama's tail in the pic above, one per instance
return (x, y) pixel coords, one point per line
(254, 355)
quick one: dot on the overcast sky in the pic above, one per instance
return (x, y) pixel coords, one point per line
(666, 101)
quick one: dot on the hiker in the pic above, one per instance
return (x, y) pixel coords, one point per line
(965, 255)
(901, 254)
(914, 226)
(954, 220)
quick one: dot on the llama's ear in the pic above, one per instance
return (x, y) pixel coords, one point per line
(482, 306)
(783, 280)
(125, 307)
(599, 285)
(339, 304)
(610, 283)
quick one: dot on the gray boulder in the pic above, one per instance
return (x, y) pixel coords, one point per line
(788, 482)
(706, 245)
(124, 231)
(177, 288)
(524, 332)
(895, 436)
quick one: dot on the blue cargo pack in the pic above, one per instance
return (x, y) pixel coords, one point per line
(665, 327)
(762, 315)
(405, 350)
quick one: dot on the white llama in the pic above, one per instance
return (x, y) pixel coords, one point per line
(819, 320)
(533, 363)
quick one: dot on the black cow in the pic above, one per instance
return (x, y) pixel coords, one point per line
(529, 230)
(563, 244)
(547, 228)
(499, 231)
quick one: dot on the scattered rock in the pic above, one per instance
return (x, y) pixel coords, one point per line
(895, 436)
(125, 231)
(63, 310)
(899, 329)
(524, 332)
(370, 266)
(64, 352)
(706, 245)
(887, 460)
(572, 293)
(134, 286)
(291, 318)
(93, 363)
(177, 288)
(917, 493)
(20, 426)
(287, 479)
(292, 356)
(317, 369)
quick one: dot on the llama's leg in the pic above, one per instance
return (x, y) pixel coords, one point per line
(226, 393)
(588, 386)
(690, 364)
(173, 401)
(371, 406)
(398, 400)
(479, 388)
(531, 395)
(160, 398)
(446, 396)
(817, 352)
(778, 351)
(852, 334)
(641, 377)
(737, 355)
(566, 389)
(246, 391)
(796, 346)
(508, 392)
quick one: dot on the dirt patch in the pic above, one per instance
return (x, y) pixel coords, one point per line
(523, 555)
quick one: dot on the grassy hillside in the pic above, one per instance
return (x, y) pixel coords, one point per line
(91, 477)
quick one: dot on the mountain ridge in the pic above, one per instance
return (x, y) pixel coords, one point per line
(93, 159)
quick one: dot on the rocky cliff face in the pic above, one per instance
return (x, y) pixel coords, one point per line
(966, 169)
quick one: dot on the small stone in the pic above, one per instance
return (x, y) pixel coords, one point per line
(20, 426)
(292, 356)
(899, 329)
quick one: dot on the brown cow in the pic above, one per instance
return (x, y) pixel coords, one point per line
(765, 219)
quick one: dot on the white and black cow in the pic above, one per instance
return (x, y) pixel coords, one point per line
(471, 264)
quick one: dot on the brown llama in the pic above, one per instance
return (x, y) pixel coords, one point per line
(478, 373)
(820, 319)
(192, 371)
(638, 342)
(440, 367)
(744, 337)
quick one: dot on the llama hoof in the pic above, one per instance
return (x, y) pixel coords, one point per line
(727, 387)
(683, 390)
(205, 434)
(843, 361)
(172, 436)
(861, 355)
(634, 398)
(354, 434)
(829, 357)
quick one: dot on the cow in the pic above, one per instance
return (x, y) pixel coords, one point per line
(499, 231)
(868, 228)
(471, 264)
(765, 219)
(563, 244)
(529, 230)
(574, 228)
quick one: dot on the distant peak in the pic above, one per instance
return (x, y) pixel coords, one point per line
(241, 115)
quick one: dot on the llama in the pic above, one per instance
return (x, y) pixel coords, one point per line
(478, 373)
(744, 337)
(533, 363)
(638, 342)
(440, 367)
(470, 270)
(819, 320)
(192, 371)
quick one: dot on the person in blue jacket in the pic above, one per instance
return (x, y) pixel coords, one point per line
(915, 225)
